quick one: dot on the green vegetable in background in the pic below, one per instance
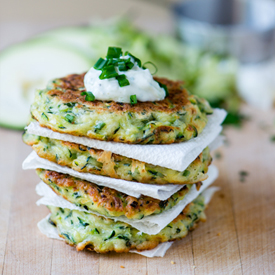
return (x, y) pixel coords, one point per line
(204, 74)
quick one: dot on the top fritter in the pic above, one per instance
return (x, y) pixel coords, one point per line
(66, 106)
(177, 118)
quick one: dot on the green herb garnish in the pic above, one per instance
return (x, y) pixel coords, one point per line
(133, 99)
(89, 96)
(155, 67)
(115, 61)
(114, 52)
(108, 72)
(129, 64)
(122, 66)
(100, 63)
(165, 88)
(122, 80)
(135, 58)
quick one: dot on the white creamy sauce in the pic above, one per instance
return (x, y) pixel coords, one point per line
(141, 81)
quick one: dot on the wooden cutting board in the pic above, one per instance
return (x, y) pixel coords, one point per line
(238, 237)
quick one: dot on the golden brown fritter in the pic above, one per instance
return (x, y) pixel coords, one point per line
(103, 235)
(95, 161)
(107, 201)
(177, 118)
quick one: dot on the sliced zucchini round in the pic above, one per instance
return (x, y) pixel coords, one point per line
(29, 66)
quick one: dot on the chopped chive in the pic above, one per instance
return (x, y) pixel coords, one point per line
(133, 99)
(149, 62)
(100, 63)
(69, 118)
(165, 88)
(122, 66)
(129, 64)
(108, 72)
(111, 62)
(135, 58)
(114, 52)
(122, 80)
(89, 96)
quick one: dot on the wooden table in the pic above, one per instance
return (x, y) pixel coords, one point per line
(238, 237)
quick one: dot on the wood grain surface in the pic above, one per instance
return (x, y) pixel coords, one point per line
(238, 237)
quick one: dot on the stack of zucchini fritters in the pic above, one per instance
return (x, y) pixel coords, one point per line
(178, 118)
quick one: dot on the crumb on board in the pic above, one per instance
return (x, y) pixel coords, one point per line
(172, 262)
(243, 174)
(218, 234)
(218, 155)
(122, 266)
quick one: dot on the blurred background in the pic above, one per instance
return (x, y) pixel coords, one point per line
(222, 49)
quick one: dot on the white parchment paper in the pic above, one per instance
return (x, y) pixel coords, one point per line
(51, 231)
(132, 188)
(175, 156)
(150, 225)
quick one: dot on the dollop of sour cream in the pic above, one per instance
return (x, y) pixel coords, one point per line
(141, 82)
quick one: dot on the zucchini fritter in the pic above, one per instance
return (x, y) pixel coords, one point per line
(96, 161)
(62, 108)
(107, 201)
(102, 235)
